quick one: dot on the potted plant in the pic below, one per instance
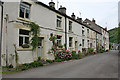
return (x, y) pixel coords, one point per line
(25, 45)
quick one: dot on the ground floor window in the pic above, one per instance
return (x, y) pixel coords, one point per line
(59, 40)
(23, 37)
(82, 42)
(70, 41)
(88, 43)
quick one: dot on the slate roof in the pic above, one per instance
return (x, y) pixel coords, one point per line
(93, 25)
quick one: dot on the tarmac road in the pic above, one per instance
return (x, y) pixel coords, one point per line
(102, 65)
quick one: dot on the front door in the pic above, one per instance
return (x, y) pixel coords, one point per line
(40, 46)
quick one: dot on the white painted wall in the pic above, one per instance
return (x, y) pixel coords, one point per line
(45, 18)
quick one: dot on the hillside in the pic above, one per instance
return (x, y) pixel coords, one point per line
(113, 35)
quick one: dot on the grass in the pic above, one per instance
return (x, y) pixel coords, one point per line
(7, 72)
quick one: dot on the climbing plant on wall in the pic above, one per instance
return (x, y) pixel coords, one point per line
(35, 31)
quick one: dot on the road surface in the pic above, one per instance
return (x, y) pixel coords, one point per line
(103, 65)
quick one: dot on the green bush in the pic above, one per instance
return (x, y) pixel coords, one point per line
(102, 50)
(58, 60)
(10, 66)
(76, 56)
(30, 65)
(80, 55)
(90, 51)
(50, 61)
(39, 58)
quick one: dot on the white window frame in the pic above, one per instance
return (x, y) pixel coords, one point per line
(24, 36)
(59, 21)
(23, 5)
(83, 31)
(70, 26)
(59, 43)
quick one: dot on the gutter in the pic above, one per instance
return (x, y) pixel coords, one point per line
(65, 33)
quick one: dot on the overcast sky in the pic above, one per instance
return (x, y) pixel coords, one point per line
(105, 12)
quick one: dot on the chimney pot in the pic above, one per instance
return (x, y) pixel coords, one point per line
(52, 4)
(79, 19)
(73, 15)
(93, 20)
(62, 9)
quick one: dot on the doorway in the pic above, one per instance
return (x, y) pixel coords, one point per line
(40, 47)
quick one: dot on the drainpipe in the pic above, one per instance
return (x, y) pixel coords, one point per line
(65, 33)
(96, 43)
(1, 28)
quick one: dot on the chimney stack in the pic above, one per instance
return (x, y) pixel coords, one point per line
(52, 4)
(93, 20)
(105, 28)
(73, 15)
(79, 19)
(62, 9)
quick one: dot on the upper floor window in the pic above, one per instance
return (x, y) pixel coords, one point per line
(59, 20)
(23, 37)
(24, 10)
(88, 31)
(70, 41)
(70, 26)
(83, 31)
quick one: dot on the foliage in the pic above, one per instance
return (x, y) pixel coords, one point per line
(54, 47)
(114, 35)
(30, 65)
(80, 54)
(102, 50)
(90, 51)
(110, 45)
(10, 66)
(7, 72)
(39, 58)
(64, 55)
(50, 61)
(76, 55)
(35, 31)
(58, 60)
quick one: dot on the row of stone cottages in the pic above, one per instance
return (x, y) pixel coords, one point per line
(74, 32)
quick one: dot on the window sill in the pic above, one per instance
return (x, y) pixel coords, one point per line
(24, 49)
(83, 35)
(24, 19)
(71, 48)
(59, 28)
(70, 31)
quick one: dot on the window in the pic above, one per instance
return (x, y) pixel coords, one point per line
(70, 26)
(59, 19)
(23, 37)
(83, 31)
(70, 41)
(88, 31)
(24, 10)
(88, 43)
(82, 42)
(59, 40)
